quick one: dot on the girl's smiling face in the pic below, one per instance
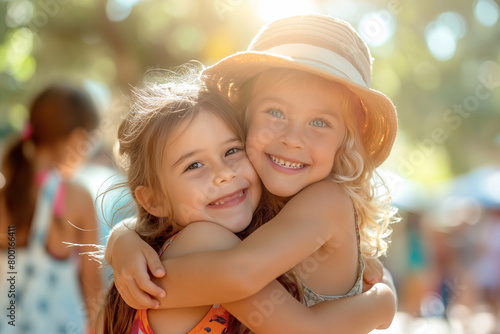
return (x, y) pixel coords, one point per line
(207, 175)
(294, 131)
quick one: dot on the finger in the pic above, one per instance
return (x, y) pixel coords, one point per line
(131, 294)
(371, 275)
(370, 278)
(126, 296)
(154, 263)
(378, 273)
(373, 271)
(366, 286)
(138, 299)
(142, 298)
(145, 284)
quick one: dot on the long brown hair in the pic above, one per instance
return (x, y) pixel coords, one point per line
(54, 114)
(156, 111)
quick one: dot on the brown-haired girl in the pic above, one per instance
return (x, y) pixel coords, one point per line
(40, 209)
(195, 188)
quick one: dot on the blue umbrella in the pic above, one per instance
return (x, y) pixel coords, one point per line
(407, 195)
(482, 185)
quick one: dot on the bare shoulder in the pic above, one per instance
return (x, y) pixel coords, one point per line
(77, 195)
(79, 204)
(325, 194)
(201, 237)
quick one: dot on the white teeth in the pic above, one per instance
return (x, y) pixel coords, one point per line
(221, 202)
(287, 164)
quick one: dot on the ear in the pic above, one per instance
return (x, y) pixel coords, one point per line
(146, 199)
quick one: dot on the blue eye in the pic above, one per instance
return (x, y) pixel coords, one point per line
(276, 113)
(319, 123)
(194, 165)
(233, 150)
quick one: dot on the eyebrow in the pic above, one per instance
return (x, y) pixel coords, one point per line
(271, 99)
(328, 112)
(186, 156)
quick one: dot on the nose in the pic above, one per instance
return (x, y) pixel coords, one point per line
(292, 136)
(224, 173)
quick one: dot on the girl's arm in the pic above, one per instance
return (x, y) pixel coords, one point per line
(131, 257)
(81, 213)
(301, 228)
(274, 310)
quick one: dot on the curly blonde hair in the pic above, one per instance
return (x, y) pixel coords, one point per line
(353, 168)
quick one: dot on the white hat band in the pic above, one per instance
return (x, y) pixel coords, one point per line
(311, 54)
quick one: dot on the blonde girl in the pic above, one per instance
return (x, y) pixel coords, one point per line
(193, 192)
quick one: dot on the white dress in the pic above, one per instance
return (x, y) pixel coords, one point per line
(48, 297)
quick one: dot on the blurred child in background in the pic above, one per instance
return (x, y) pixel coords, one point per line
(56, 289)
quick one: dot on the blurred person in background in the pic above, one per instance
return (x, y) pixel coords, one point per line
(487, 266)
(52, 288)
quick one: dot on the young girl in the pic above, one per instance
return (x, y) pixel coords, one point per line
(193, 191)
(316, 132)
(51, 285)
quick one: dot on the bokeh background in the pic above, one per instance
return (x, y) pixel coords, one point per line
(438, 60)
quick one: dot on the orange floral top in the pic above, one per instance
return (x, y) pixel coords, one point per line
(214, 322)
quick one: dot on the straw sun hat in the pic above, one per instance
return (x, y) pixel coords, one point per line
(320, 45)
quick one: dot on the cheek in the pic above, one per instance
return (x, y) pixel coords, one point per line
(325, 152)
(254, 145)
(251, 175)
(192, 193)
(261, 132)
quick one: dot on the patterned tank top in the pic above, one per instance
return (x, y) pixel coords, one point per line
(214, 322)
(311, 298)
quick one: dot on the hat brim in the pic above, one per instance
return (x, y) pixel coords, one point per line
(380, 128)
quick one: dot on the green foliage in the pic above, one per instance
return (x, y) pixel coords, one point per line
(105, 41)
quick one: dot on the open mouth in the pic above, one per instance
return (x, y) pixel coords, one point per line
(285, 163)
(231, 199)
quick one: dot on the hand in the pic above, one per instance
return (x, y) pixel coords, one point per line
(131, 259)
(373, 273)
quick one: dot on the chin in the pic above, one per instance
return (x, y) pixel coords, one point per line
(240, 223)
(238, 229)
(281, 191)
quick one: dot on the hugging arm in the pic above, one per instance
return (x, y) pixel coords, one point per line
(132, 256)
(270, 251)
(274, 310)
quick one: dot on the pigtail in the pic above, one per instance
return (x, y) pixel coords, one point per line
(18, 191)
(54, 114)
